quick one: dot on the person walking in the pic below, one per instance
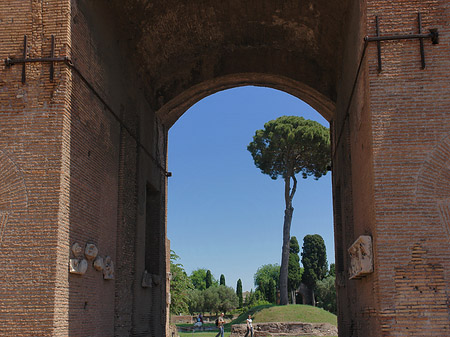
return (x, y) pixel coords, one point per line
(220, 323)
(249, 326)
(199, 322)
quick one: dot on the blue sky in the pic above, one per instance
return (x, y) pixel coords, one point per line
(223, 213)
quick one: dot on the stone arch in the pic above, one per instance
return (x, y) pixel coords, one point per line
(130, 58)
(175, 108)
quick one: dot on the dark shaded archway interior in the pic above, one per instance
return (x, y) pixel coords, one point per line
(180, 45)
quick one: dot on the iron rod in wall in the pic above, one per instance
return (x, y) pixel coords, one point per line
(399, 37)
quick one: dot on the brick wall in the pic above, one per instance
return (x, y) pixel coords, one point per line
(395, 139)
(33, 161)
(398, 135)
(410, 120)
(69, 152)
(80, 157)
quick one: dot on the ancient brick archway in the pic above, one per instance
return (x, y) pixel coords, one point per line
(87, 98)
(172, 110)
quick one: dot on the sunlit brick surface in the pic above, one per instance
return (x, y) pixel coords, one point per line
(83, 157)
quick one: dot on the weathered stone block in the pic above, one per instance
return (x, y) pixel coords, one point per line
(77, 266)
(361, 257)
(108, 269)
(98, 263)
(76, 249)
(90, 251)
(286, 329)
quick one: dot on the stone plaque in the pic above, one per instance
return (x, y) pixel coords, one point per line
(361, 257)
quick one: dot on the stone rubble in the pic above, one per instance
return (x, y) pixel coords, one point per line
(286, 329)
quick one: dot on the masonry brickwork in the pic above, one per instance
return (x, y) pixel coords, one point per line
(83, 158)
(34, 183)
(410, 120)
(69, 157)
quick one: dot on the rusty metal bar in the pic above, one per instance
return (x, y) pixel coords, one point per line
(433, 34)
(24, 60)
(11, 62)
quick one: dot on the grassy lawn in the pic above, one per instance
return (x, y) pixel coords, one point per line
(295, 313)
(272, 313)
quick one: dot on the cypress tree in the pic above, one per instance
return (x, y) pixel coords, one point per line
(239, 293)
(208, 279)
(314, 260)
(294, 270)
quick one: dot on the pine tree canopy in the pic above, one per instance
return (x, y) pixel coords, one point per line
(289, 145)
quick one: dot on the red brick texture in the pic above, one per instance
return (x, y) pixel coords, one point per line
(68, 174)
(34, 170)
(409, 109)
(83, 158)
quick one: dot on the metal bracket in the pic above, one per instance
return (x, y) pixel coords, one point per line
(10, 62)
(433, 34)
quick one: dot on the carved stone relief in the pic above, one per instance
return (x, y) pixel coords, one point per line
(108, 269)
(78, 266)
(79, 263)
(76, 249)
(98, 263)
(361, 257)
(90, 251)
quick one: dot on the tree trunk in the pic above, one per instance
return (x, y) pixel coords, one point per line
(285, 256)
(288, 196)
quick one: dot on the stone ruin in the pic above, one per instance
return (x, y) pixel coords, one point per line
(286, 329)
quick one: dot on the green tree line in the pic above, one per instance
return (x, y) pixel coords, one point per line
(201, 292)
